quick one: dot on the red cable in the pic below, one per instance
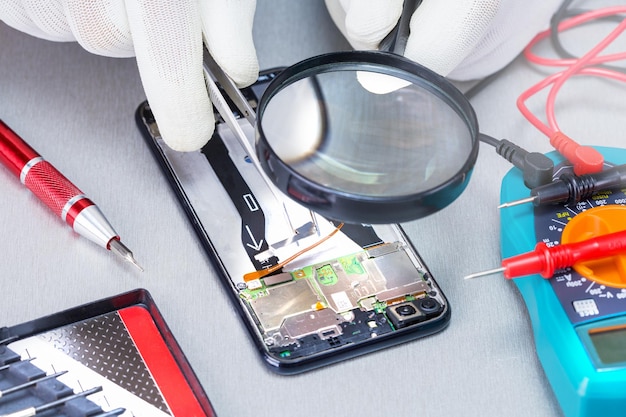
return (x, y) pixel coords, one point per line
(585, 159)
(584, 61)
(521, 101)
(569, 24)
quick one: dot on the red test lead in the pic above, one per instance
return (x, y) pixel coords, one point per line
(58, 193)
(545, 260)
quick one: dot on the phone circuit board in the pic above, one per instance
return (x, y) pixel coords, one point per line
(341, 301)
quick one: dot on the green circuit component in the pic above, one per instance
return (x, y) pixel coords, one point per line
(326, 275)
(351, 265)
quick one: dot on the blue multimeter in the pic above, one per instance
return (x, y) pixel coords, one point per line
(578, 324)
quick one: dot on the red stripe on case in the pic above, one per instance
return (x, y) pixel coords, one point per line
(164, 369)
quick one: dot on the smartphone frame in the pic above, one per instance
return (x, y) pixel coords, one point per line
(287, 366)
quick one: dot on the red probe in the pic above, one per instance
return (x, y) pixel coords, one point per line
(545, 260)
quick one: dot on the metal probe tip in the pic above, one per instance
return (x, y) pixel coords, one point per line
(119, 248)
(483, 273)
(517, 202)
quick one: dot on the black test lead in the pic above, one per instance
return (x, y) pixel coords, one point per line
(570, 189)
(33, 411)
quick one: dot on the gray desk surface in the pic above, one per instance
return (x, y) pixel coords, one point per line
(77, 110)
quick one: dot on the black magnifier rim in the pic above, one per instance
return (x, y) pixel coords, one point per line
(357, 208)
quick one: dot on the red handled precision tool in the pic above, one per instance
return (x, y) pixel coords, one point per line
(58, 193)
(545, 260)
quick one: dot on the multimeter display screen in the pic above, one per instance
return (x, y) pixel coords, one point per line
(610, 343)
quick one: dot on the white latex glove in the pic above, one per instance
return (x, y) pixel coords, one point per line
(459, 39)
(166, 37)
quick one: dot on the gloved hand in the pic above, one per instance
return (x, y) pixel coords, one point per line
(166, 37)
(459, 39)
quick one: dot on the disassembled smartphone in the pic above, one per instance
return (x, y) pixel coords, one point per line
(362, 289)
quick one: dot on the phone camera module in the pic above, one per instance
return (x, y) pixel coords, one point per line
(411, 312)
(406, 310)
(405, 314)
(428, 305)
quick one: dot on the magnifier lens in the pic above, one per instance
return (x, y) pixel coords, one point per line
(368, 131)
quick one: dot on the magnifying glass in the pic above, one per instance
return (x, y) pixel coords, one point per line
(365, 137)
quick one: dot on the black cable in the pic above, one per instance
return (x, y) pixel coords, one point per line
(480, 85)
(488, 140)
(537, 168)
